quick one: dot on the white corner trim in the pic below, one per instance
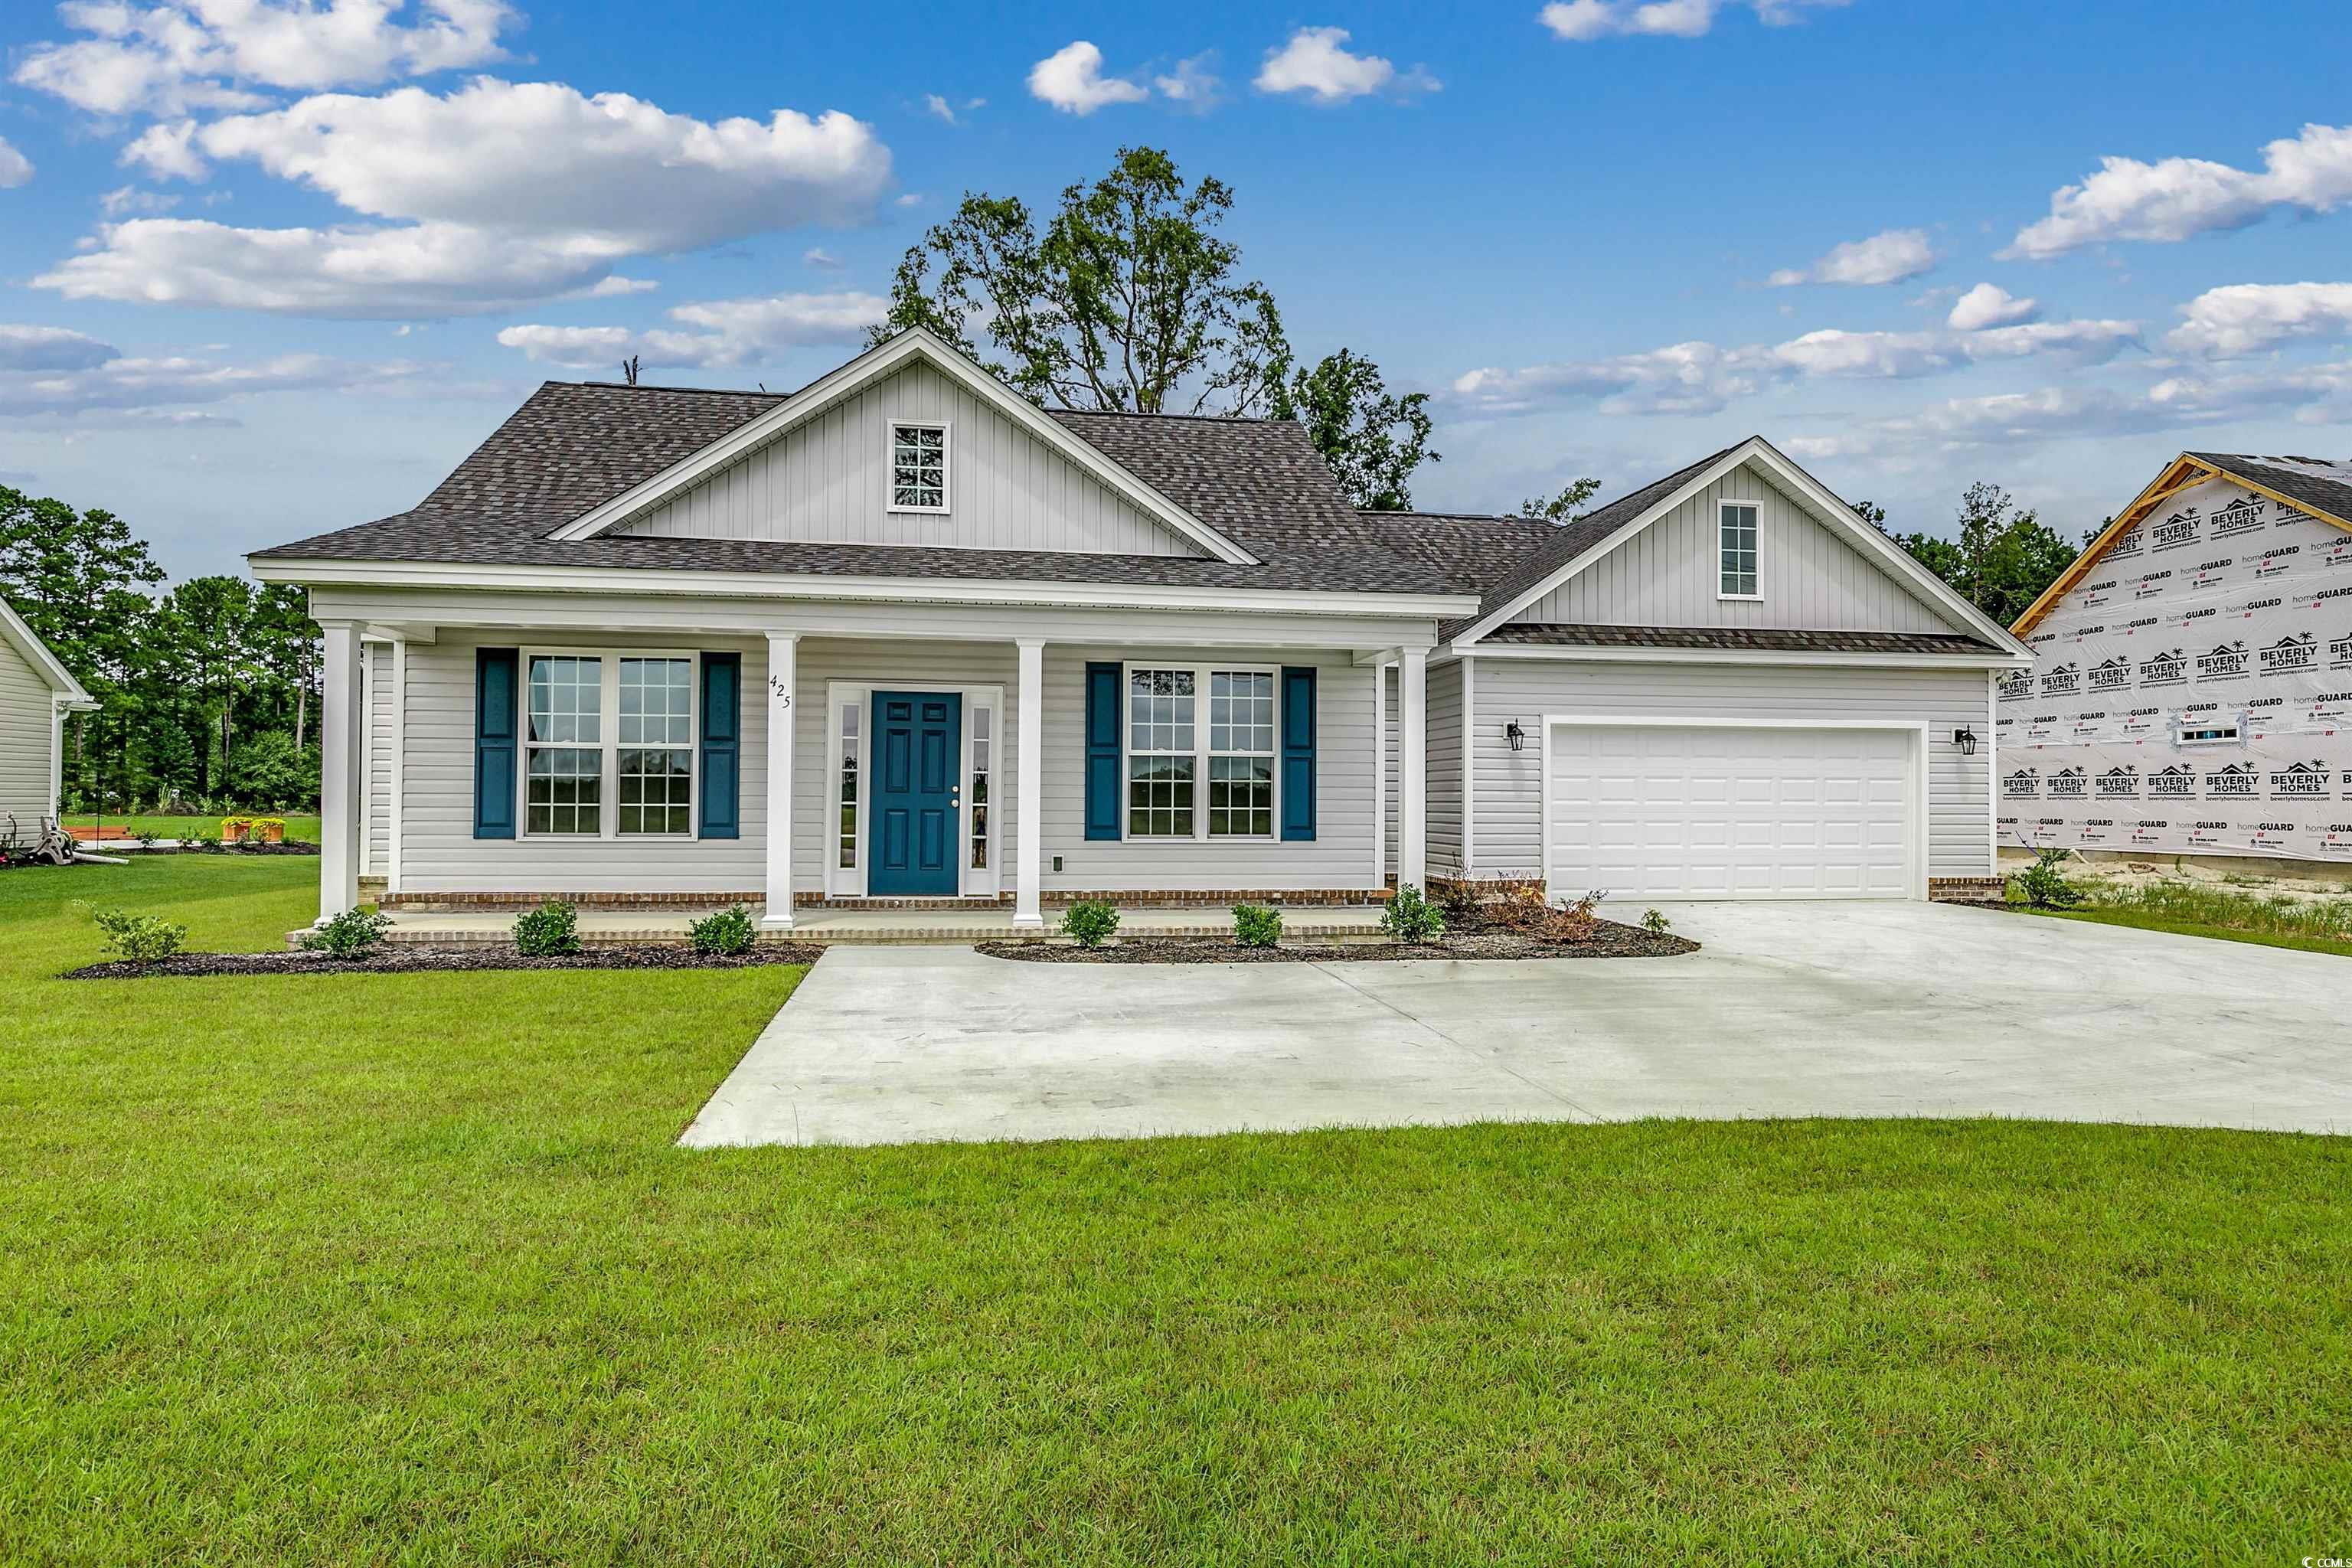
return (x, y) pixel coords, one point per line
(1916, 846)
(1829, 510)
(871, 366)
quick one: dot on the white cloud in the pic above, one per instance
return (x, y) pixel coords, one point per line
(818, 257)
(1071, 80)
(126, 199)
(2247, 318)
(26, 348)
(1317, 62)
(911, 199)
(1580, 21)
(502, 192)
(732, 332)
(1988, 305)
(15, 169)
(151, 384)
(1191, 82)
(167, 153)
(939, 107)
(1897, 256)
(1702, 377)
(209, 54)
(2175, 198)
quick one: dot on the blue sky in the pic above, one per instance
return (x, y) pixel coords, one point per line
(268, 268)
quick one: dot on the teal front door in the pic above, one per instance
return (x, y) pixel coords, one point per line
(917, 784)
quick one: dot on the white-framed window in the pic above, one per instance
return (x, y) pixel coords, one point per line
(850, 718)
(918, 466)
(1188, 778)
(984, 758)
(1736, 543)
(610, 737)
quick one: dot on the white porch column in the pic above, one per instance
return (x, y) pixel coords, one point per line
(1028, 799)
(1412, 769)
(342, 726)
(783, 682)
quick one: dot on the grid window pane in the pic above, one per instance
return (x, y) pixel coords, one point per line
(1241, 711)
(1159, 711)
(1240, 796)
(1159, 797)
(566, 700)
(984, 750)
(566, 790)
(847, 850)
(918, 466)
(657, 703)
(656, 789)
(1738, 540)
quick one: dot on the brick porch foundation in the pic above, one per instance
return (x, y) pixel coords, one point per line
(1187, 899)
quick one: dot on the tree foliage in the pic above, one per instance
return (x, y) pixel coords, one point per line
(1564, 508)
(1373, 438)
(2003, 558)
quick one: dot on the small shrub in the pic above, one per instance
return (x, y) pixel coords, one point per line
(1254, 925)
(1410, 918)
(141, 939)
(1089, 922)
(1654, 921)
(729, 932)
(145, 838)
(349, 934)
(548, 932)
(2043, 886)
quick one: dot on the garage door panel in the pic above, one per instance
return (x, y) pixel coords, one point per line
(1711, 812)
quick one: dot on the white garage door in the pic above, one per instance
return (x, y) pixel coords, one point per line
(1667, 812)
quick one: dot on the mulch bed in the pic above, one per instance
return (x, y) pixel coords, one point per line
(422, 960)
(130, 847)
(1609, 940)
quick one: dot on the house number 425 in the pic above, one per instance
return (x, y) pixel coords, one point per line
(780, 692)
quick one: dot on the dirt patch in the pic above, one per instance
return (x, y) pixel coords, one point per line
(421, 960)
(1609, 940)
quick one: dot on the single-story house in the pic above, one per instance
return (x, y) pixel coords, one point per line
(903, 637)
(36, 692)
(2192, 691)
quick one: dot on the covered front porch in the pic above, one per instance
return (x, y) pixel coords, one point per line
(862, 771)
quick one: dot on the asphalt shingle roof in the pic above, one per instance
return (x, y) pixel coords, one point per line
(2318, 482)
(1560, 633)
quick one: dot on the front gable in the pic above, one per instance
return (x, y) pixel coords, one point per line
(818, 469)
(1810, 576)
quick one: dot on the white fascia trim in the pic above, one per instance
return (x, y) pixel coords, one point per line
(57, 677)
(1830, 512)
(1744, 656)
(915, 343)
(786, 585)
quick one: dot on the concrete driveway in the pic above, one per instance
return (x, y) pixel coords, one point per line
(1788, 1010)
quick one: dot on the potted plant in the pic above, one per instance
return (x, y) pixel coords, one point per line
(234, 829)
(269, 829)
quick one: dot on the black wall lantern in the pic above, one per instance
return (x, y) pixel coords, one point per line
(1517, 736)
(1965, 740)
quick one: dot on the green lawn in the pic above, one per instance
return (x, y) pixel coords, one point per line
(2140, 920)
(407, 1269)
(305, 828)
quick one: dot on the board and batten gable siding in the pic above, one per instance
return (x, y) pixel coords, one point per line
(827, 482)
(1509, 783)
(26, 739)
(1668, 575)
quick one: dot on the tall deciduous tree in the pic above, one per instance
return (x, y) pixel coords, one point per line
(2003, 558)
(1565, 507)
(79, 579)
(1373, 438)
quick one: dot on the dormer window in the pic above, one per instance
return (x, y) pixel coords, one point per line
(919, 467)
(1736, 536)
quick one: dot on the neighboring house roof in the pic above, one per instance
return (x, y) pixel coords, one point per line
(59, 679)
(2320, 486)
(1738, 640)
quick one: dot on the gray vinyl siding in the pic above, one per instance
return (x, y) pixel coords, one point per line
(1390, 697)
(1668, 575)
(376, 804)
(26, 705)
(827, 481)
(1444, 724)
(1337, 857)
(1509, 783)
(439, 853)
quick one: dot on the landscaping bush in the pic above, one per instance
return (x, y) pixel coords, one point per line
(548, 932)
(141, 939)
(1413, 918)
(2045, 887)
(1254, 925)
(349, 934)
(729, 932)
(1089, 922)
(1524, 910)
(1654, 921)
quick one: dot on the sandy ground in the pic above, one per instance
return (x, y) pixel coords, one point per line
(2285, 880)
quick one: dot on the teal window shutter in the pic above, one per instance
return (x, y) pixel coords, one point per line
(1102, 750)
(1297, 752)
(722, 747)
(497, 726)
